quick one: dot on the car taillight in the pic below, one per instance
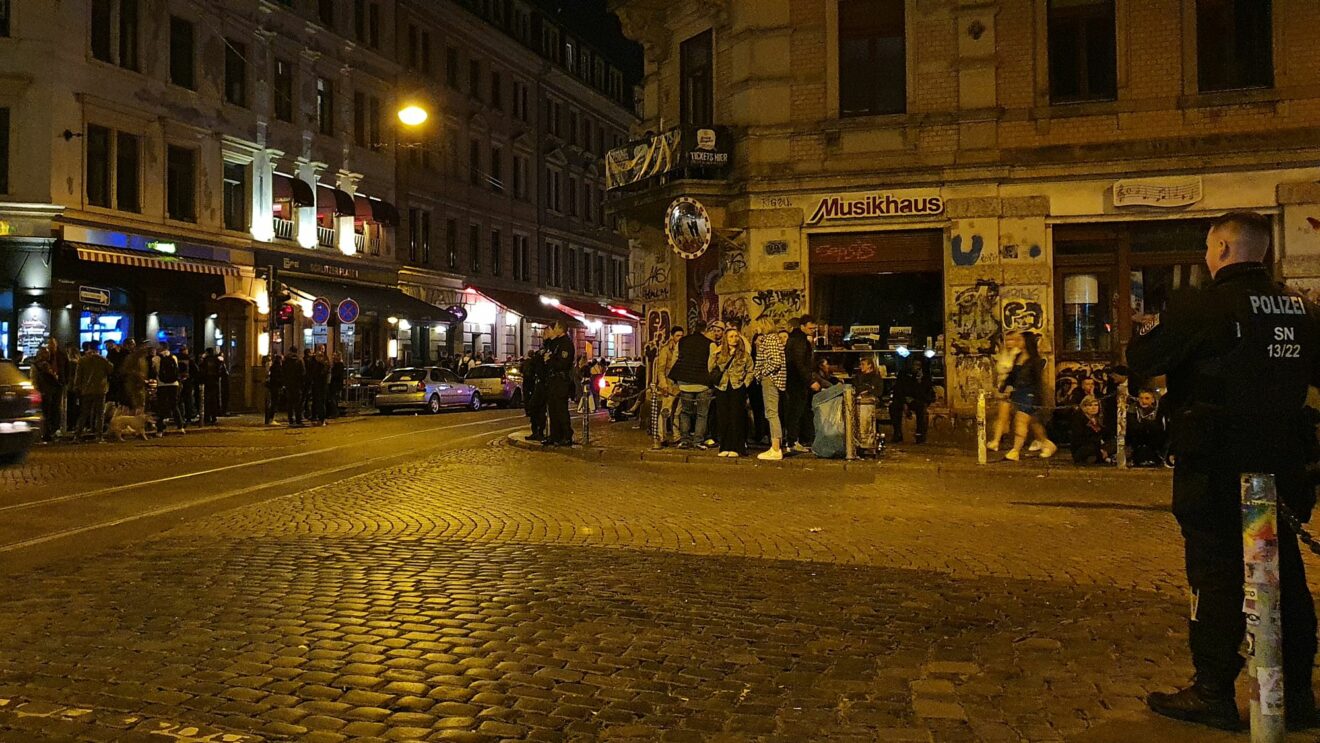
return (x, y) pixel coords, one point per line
(421, 386)
(34, 399)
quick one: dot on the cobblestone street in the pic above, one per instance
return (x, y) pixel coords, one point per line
(473, 591)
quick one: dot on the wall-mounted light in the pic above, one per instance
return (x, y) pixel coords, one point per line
(392, 320)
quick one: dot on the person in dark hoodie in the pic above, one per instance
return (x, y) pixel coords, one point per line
(274, 386)
(210, 379)
(318, 376)
(294, 374)
(691, 371)
(797, 393)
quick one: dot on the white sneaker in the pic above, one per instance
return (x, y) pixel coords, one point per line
(1013, 455)
(800, 449)
(1047, 449)
(732, 454)
(992, 446)
(1034, 445)
(710, 442)
(771, 455)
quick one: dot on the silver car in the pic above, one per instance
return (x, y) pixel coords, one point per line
(498, 383)
(429, 387)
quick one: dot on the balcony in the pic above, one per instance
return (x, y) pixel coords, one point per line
(325, 237)
(359, 241)
(696, 153)
(283, 228)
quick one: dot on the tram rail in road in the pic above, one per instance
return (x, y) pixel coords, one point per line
(40, 530)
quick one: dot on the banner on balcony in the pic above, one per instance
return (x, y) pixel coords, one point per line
(642, 159)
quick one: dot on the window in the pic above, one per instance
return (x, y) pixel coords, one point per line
(585, 283)
(519, 176)
(573, 268)
(520, 98)
(573, 195)
(360, 20)
(522, 256)
(235, 73)
(236, 197)
(4, 150)
(872, 58)
(451, 67)
(374, 140)
(697, 72)
(552, 115)
(474, 79)
(360, 119)
(474, 162)
(451, 244)
(1234, 44)
(1083, 61)
(413, 43)
(600, 274)
(100, 29)
(552, 189)
(325, 10)
(98, 166)
(496, 91)
(129, 32)
(588, 196)
(474, 248)
(325, 106)
(496, 169)
(496, 253)
(416, 218)
(283, 86)
(128, 177)
(572, 126)
(181, 183)
(4, 25)
(426, 54)
(373, 25)
(182, 53)
(425, 240)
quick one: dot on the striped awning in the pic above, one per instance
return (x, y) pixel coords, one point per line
(137, 259)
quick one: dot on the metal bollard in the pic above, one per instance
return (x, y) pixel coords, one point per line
(657, 425)
(586, 423)
(1120, 439)
(1260, 543)
(849, 422)
(980, 428)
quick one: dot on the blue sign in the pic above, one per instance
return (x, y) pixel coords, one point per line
(320, 310)
(348, 311)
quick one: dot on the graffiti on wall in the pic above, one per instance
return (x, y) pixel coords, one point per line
(657, 325)
(1072, 377)
(973, 375)
(966, 250)
(703, 302)
(778, 304)
(734, 257)
(734, 311)
(1309, 288)
(974, 319)
(650, 285)
(1021, 239)
(1022, 308)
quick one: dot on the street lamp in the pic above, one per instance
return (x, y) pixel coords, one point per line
(413, 115)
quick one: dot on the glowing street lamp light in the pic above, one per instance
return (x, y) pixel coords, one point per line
(413, 115)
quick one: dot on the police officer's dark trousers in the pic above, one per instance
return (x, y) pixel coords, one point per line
(1207, 497)
(558, 390)
(536, 411)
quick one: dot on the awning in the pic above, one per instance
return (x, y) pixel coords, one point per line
(344, 206)
(593, 309)
(382, 301)
(384, 213)
(526, 305)
(303, 195)
(137, 259)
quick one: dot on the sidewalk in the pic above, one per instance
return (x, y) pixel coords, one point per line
(949, 449)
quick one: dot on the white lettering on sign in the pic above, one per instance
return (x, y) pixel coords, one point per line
(1272, 304)
(876, 205)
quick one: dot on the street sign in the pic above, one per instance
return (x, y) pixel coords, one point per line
(92, 296)
(348, 311)
(320, 310)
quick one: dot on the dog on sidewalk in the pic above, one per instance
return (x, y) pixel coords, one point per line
(126, 422)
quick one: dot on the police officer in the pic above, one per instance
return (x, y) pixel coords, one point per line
(534, 391)
(558, 350)
(1239, 355)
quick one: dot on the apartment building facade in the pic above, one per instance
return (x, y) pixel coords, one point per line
(503, 188)
(932, 173)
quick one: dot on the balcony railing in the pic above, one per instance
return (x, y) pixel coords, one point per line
(359, 242)
(283, 228)
(325, 237)
(375, 243)
(701, 152)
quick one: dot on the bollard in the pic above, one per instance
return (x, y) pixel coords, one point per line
(586, 423)
(980, 428)
(657, 425)
(1260, 550)
(849, 422)
(1120, 439)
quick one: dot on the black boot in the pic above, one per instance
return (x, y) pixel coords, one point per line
(1201, 703)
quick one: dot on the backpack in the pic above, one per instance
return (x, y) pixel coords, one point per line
(169, 370)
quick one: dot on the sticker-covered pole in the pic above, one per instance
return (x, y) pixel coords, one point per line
(1120, 440)
(849, 422)
(980, 428)
(1260, 550)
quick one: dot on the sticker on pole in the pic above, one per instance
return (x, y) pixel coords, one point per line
(320, 310)
(348, 311)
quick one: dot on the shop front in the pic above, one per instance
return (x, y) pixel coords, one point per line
(605, 331)
(25, 302)
(364, 317)
(518, 319)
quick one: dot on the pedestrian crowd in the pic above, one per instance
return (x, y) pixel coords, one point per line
(134, 388)
(307, 387)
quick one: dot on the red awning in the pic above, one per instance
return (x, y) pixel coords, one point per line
(527, 305)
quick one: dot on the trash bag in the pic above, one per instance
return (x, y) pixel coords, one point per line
(827, 415)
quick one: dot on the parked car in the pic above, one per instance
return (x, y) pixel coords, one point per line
(498, 383)
(431, 388)
(20, 414)
(617, 372)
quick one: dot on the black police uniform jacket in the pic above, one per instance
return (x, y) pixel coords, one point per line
(1239, 355)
